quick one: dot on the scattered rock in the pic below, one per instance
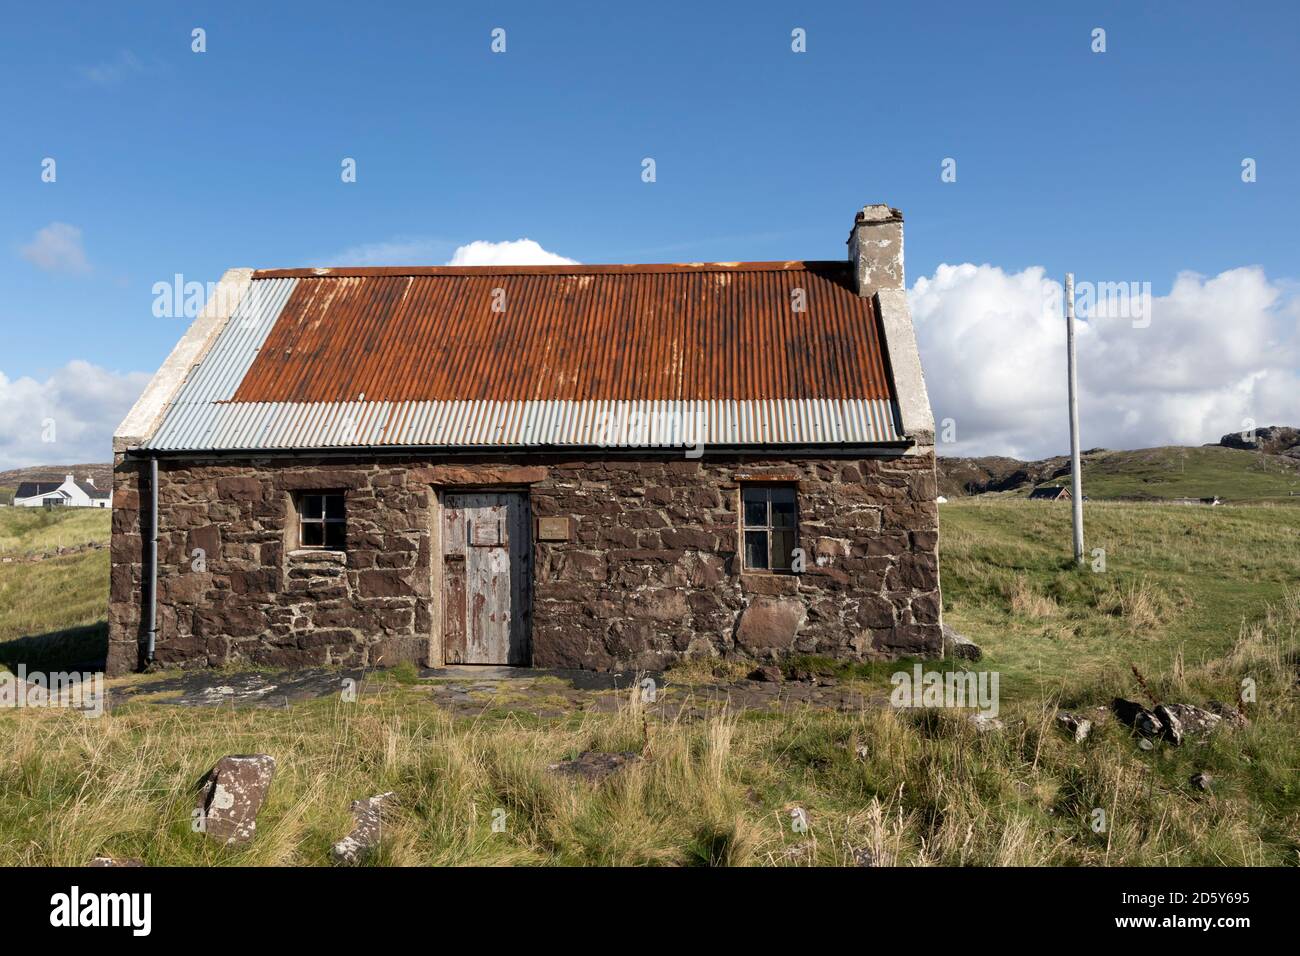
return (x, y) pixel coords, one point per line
(1201, 781)
(1077, 727)
(1138, 717)
(594, 766)
(959, 645)
(367, 830)
(231, 794)
(1172, 727)
(768, 673)
(1191, 720)
(111, 861)
(1227, 712)
(863, 857)
(984, 724)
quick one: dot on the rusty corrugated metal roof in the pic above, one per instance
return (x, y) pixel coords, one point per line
(571, 333)
(711, 352)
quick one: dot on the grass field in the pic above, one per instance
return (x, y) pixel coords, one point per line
(1179, 472)
(1198, 599)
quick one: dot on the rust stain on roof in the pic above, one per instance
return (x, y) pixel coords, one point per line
(698, 331)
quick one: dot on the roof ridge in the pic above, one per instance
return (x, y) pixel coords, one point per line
(778, 265)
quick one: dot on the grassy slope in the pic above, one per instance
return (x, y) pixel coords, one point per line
(1177, 472)
(39, 598)
(1178, 580)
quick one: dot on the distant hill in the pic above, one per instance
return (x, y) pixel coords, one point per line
(1232, 473)
(9, 480)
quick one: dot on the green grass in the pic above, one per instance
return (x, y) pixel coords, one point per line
(52, 610)
(1177, 472)
(27, 531)
(1199, 599)
(1179, 582)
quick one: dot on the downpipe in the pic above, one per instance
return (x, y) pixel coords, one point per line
(153, 561)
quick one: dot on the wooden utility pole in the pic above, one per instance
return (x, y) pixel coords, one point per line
(1076, 477)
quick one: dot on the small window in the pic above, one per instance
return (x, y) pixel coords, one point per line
(770, 527)
(321, 521)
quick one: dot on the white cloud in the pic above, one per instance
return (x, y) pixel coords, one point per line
(1217, 351)
(78, 406)
(114, 71)
(520, 252)
(424, 250)
(57, 248)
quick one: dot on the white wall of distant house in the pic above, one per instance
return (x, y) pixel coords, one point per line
(67, 495)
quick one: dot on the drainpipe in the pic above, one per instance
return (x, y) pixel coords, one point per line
(153, 559)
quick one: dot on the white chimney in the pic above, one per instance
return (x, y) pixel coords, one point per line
(70, 478)
(876, 249)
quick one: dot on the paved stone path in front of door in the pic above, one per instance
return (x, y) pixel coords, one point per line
(473, 691)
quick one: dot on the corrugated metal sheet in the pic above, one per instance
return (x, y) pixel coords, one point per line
(573, 333)
(615, 356)
(282, 425)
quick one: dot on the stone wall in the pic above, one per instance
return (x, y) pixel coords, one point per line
(650, 575)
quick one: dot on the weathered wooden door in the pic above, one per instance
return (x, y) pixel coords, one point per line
(486, 549)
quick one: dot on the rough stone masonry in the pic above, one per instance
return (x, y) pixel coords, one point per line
(650, 575)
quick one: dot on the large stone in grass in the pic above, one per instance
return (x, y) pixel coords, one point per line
(1192, 720)
(1228, 713)
(1171, 727)
(593, 765)
(367, 830)
(959, 646)
(231, 794)
(770, 624)
(1138, 717)
(1077, 727)
(114, 861)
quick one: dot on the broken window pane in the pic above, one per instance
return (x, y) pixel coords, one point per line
(756, 549)
(782, 550)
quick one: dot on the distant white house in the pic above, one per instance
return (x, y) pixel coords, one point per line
(69, 493)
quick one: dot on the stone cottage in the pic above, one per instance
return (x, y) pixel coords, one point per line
(605, 467)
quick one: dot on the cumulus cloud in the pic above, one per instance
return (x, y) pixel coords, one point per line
(1183, 368)
(520, 252)
(423, 250)
(57, 248)
(69, 417)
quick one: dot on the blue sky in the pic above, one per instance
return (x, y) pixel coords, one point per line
(1123, 165)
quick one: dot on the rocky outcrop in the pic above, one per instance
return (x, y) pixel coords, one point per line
(1271, 440)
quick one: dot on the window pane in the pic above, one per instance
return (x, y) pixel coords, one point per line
(782, 511)
(782, 548)
(334, 535)
(313, 534)
(334, 506)
(756, 550)
(310, 506)
(755, 506)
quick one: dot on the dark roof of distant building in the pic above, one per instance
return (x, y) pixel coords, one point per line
(33, 489)
(91, 490)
